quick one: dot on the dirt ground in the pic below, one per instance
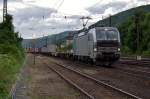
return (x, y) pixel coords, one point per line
(42, 83)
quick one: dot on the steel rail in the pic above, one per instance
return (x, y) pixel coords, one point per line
(71, 83)
(130, 72)
(142, 71)
(135, 63)
(99, 82)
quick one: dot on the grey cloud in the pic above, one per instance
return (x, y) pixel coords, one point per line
(55, 26)
(31, 1)
(20, 1)
(50, 29)
(31, 16)
(143, 0)
(32, 13)
(100, 9)
(30, 19)
(63, 24)
(10, 1)
(75, 16)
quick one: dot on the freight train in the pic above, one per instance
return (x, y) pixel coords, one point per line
(99, 45)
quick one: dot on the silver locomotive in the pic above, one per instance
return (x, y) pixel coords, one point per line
(100, 45)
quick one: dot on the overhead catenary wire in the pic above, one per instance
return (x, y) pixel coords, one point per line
(98, 3)
(60, 5)
(64, 15)
(55, 4)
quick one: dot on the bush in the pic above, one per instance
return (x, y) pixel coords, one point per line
(125, 50)
(11, 56)
(146, 53)
(11, 50)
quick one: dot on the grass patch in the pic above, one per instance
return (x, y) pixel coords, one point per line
(9, 68)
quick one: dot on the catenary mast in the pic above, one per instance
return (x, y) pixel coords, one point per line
(4, 9)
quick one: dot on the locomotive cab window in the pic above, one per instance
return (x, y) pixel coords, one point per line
(107, 35)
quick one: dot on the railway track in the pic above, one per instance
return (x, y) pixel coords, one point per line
(134, 58)
(93, 84)
(71, 83)
(133, 71)
(143, 63)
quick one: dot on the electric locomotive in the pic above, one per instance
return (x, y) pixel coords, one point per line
(100, 45)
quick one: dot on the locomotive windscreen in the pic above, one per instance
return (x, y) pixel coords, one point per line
(107, 34)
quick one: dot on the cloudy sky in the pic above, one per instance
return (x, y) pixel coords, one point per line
(46, 17)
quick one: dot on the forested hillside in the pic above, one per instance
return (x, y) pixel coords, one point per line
(11, 56)
(121, 17)
(135, 34)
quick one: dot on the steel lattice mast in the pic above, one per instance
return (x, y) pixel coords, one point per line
(4, 9)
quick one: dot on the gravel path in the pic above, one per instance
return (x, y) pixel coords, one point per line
(19, 90)
(38, 82)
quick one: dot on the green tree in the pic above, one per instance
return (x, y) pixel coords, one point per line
(135, 33)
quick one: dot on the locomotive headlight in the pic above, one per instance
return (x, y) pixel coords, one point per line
(118, 49)
(95, 49)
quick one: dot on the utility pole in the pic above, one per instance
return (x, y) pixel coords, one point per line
(45, 37)
(110, 22)
(137, 31)
(4, 10)
(85, 22)
(34, 47)
(102, 21)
